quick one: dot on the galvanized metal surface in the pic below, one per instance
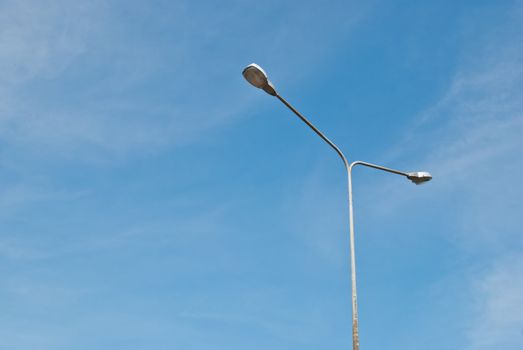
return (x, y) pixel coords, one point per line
(355, 327)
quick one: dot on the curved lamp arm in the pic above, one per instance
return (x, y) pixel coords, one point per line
(379, 167)
(315, 129)
(257, 77)
(355, 328)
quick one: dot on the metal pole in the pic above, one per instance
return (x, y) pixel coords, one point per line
(355, 330)
(255, 75)
(348, 168)
(355, 334)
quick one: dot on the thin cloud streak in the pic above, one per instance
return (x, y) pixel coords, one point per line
(91, 111)
(471, 142)
(498, 306)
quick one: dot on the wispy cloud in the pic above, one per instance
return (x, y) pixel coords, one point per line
(41, 40)
(498, 306)
(471, 140)
(69, 72)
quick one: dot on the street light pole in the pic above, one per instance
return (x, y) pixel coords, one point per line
(348, 168)
(256, 76)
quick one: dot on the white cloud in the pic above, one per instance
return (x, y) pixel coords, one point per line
(472, 141)
(96, 78)
(498, 307)
(40, 39)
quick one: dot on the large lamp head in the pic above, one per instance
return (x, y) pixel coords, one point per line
(257, 77)
(419, 177)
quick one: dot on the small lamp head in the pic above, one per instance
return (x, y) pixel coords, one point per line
(257, 77)
(419, 177)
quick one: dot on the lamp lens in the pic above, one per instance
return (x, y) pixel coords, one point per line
(255, 76)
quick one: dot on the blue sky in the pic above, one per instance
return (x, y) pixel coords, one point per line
(151, 199)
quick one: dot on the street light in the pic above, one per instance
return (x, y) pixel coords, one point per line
(257, 77)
